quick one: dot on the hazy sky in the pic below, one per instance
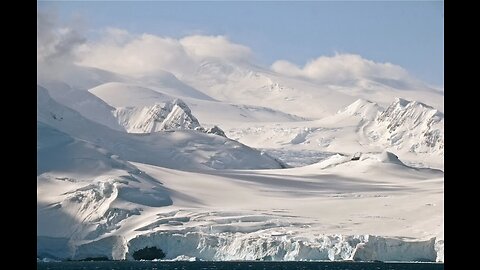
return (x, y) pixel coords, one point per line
(405, 33)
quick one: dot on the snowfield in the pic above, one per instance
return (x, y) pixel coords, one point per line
(236, 162)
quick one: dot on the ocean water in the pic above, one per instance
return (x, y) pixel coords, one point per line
(148, 265)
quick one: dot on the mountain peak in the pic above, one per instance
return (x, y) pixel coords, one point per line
(179, 117)
(180, 103)
(412, 125)
(401, 102)
(363, 108)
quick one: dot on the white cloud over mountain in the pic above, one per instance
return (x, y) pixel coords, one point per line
(146, 54)
(139, 55)
(119, 51)
(341, 68)
(199, 47)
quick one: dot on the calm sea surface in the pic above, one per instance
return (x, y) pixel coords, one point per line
(235, 265)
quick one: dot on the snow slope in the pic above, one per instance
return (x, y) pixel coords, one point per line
(186, 149)
(87, 190)
(166, 82)
(311, 213)
(225, 215)
(122, 95)
(88, 105)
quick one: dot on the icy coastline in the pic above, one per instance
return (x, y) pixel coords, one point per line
(265, 247)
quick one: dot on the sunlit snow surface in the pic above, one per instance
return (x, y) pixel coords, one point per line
(123, 164)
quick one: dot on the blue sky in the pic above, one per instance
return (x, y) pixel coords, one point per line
(406, 33)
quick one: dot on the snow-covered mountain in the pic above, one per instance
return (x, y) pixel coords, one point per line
(120, 95)
(171, 161)
(185, 149)
(142, 110)
(253, 85)
(409, 125)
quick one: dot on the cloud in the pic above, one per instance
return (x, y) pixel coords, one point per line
(57, 44)
(145, 54)
(200, 47)
(341, 68)
(136, 55)
(61, 44)
(122, 52)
